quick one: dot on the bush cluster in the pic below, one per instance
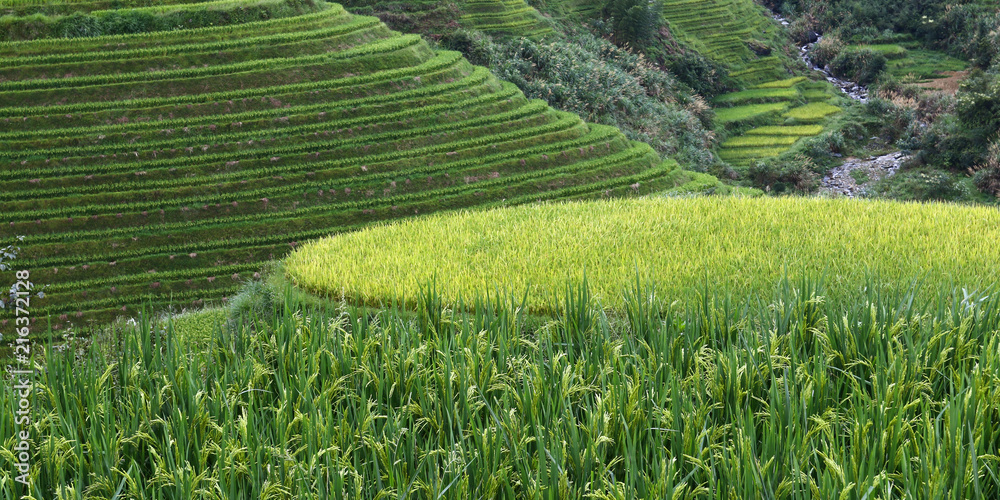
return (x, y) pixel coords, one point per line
(859, 65)
(784, 175)
(634, 22)
(969, 30)
(605, 84)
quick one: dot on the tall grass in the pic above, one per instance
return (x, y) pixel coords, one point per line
(785, 396)
(742, 244)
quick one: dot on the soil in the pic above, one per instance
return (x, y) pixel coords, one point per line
(948, 83)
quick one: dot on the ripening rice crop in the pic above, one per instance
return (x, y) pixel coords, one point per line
(743, 245)
(751, 397)
(759, 141)
(740, 113)
(796, 130)
(744, 155)
(782, 84)
(762, 94)
(812, 111)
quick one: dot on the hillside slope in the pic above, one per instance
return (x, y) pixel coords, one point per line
(168, 167)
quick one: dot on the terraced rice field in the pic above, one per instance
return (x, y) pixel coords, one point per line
(169, 167)
(505, 17)
(719, 29)
(782, 123)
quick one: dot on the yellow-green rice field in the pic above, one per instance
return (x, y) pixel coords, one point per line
(739, 245)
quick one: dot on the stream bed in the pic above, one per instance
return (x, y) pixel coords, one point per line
(843, 179)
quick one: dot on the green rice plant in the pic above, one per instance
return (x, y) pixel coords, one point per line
(925, 64)
(782, 84)
(471, 85)
(850, 240)
(817, 95)
(328, 14)
(602, 135)
(154, 18)
(749, 153)
(759, 141)
(761, 94)
(115, 176)
(286, 122)
(442, 60)
(889, 50)
(281, 396)
(362, 30)
(812, 111)
(378, 47)
(795, 130)
(748, 112)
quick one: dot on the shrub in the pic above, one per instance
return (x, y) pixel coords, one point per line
(602, 83)
(861, 65)
(979, 101)
(781, 175)
(987, 176)
(634, 22)
(701, 74)
(923, 185)
(826, 50)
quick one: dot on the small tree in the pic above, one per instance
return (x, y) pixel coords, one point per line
(634, 21)
(987, 173)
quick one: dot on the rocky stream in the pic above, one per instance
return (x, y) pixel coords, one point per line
(844, 179)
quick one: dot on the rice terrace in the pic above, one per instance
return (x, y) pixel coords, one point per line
(504, 249)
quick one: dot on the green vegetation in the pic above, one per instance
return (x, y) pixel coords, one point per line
(889, 50)
(812, 111)
(741, 113)
(510, 17)
(633, 22)
(81, 19)
(860, 176)
(788, 392)
(725, 31)
(966, 29)
(859, 64)
(923, 65)
(605, 84)
(795, 130)
(741, 245)
(783, 84)
(774, 134)
(168, 167)
(754, 95)
(347, 270)
(758, 140)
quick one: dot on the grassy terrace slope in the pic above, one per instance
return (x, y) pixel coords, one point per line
(780, 113)
(723, 30)
(506, 17)
(743, 245)
(169, 166)
(720, 30)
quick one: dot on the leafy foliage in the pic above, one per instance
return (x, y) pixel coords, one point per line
(604, 84)
(859, 64)
(634, 21)
(480, 400)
